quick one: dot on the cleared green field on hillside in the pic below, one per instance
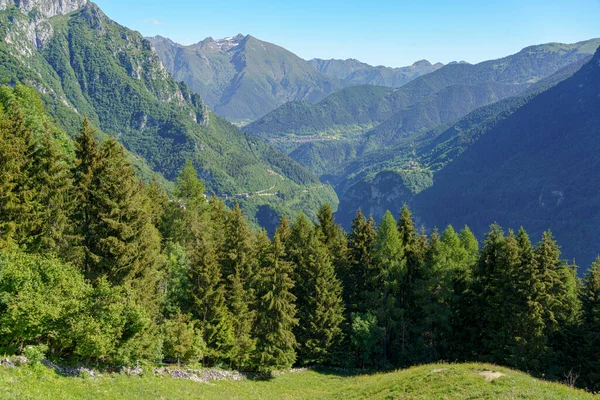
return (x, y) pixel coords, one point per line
(435, 381)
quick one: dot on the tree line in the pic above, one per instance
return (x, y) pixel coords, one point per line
(98, 266)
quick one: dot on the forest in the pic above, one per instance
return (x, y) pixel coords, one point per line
(99, 268)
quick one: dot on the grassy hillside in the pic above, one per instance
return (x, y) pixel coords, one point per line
(436, 381)
(243, 78)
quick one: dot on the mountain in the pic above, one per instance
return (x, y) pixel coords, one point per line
(354, 72)
(363, 105)
(378, 181)
(242, 78)
(82, 62)
(537, 167)
(368, 141)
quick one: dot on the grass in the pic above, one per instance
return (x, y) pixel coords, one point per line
(436, 381)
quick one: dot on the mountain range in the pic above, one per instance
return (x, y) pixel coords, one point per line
(354, 72)
(536, 165)
(368, 140)
(243, 78)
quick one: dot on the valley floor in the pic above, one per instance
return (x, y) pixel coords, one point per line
(435, 381)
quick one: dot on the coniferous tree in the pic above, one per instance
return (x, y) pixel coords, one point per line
(87, 162)
(238, 266)
(560, 302)
(36, 181)
(276, 310)
(207, 291)
(394, 317)
(591, 326)
(484, 288)
(12, 149)
(360, 277)
(333, 238)
(320, 305)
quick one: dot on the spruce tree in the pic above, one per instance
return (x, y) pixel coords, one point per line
(319, 302)
(238, 259)
(391, 264)
(276, 310)
(12, 151)
(591, 326)
(207, 290)
(560, 302)
(360, 278)
(87, 163)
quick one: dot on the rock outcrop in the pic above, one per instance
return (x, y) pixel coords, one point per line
(48, 8)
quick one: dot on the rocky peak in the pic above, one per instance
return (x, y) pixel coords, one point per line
(48, 8)
(421, 64)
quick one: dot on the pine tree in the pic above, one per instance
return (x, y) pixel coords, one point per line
(276, 310)
(238, 260)
(361, 273)
(319, 301)
(207, 291)
(87, 162)
(591, 325)
(12, 150)
(395, 320)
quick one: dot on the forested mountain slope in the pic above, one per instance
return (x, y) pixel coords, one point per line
(377, 181)
(538, 167)
(242, 78)
(85, 63)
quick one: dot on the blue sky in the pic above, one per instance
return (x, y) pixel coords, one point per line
(392, 33)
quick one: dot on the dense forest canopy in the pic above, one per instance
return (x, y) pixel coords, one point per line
(98, 267)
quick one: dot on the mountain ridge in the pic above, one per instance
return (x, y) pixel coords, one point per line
(241, 77)
(354, 72)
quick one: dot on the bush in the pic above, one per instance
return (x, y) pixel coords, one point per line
(35, 354)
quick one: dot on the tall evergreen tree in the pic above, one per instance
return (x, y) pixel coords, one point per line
(319, 302)
(12, 151)
(390, 261)
(360, 277)
(238, 261)
(87, 163)
(276, 310)
(591, 326)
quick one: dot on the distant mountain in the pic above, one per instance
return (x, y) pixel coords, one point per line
(380, 180)
(354, 72)
(538, 167)
(346, 135)
(362, 105)
(82, 62)
(243, 78)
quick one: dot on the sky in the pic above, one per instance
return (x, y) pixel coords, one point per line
(385, 32)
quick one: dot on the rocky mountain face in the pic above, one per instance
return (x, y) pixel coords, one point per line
(83, 63)
(242, 78)
(48, 8)
(354, 72)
